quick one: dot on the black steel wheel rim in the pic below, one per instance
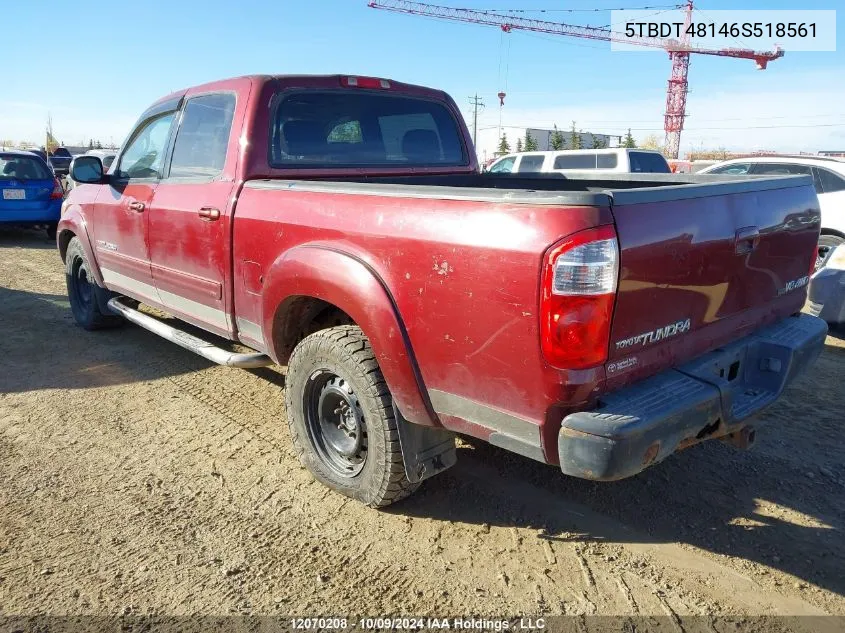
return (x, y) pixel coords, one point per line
(80, 283)
(336, 424)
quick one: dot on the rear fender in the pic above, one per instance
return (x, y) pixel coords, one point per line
(348, 283)
(73, 224)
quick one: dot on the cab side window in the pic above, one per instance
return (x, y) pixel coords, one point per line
(203, 137)
(144, 155)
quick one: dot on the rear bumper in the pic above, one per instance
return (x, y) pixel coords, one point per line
(711, 396)
(27, 214)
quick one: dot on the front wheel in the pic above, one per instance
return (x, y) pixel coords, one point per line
(84, 294)
(826, 245)
(341, 419)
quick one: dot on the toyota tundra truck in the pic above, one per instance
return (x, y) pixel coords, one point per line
(339, 225)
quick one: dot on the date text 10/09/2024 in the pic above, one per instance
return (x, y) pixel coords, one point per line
(713, 29)
(415, 624)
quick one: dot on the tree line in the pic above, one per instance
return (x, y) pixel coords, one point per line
(558, 141)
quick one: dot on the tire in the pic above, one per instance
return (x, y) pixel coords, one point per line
(341, 417)
(84, 294)
(51, 231)
(827, 243)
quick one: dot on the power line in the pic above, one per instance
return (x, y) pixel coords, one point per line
(594, 10)
(476, 102)
(697, 129)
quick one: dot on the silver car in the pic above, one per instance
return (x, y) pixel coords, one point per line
(107, 157)
(826, 295)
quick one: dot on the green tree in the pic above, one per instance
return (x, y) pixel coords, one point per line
(349, 132)
(598, 142)
(629, 141)
(98, 145)
(556, 141)
(575, 138)
(518, 145)
(90, 143)
(504, 146)
(530, 144)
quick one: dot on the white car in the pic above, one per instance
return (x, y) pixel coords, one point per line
(618, 160)
(828, 177)
(106, 156)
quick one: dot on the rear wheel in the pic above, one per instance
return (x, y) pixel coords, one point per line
(84, 294)
(827, 243)
(341, 418)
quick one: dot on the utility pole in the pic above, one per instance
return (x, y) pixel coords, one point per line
(476, 103)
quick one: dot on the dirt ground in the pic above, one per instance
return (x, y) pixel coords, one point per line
(138, 478)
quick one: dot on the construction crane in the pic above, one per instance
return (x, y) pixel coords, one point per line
(679, 49)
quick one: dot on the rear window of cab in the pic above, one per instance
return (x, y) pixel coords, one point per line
(343, 128)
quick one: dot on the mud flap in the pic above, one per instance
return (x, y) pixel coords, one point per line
(426, 450)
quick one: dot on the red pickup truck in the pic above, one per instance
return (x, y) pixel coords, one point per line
(340, 226)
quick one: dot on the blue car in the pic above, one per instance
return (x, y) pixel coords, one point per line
(30, 193)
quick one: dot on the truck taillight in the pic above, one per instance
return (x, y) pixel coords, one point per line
(578, 292)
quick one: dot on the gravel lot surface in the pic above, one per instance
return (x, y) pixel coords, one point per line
(138, 478)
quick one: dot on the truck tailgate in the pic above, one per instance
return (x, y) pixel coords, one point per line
(699, 272)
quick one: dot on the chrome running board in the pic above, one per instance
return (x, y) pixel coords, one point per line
(189, 341)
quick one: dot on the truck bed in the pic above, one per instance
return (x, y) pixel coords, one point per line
(693, 275)
(557, 189)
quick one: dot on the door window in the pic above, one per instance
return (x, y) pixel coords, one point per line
(830, 182)
(648, 162)
(203, 137)
(531, 163)
(780, 169)
(144, 155)
(734, 169)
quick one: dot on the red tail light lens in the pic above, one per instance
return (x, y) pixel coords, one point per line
(578, 293)
(58, 192)
(365, 82)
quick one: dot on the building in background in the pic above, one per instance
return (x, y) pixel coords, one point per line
(588, 139)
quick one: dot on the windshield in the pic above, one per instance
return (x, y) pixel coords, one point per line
(61, 152)
(14, 167)
(344, 128)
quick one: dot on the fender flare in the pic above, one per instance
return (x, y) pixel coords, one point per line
(74, 222)
(347, 282)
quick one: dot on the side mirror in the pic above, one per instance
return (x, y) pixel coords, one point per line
(87, 169)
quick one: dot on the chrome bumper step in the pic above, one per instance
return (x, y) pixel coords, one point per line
(189, 341)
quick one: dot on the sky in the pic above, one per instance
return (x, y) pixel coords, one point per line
(95, 66)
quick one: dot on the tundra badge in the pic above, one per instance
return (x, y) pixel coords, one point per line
(647, 338)
(794, 285)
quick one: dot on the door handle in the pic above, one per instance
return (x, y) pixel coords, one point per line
(747, 240)
(136, 206)
(209, 214)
